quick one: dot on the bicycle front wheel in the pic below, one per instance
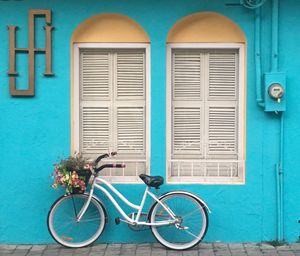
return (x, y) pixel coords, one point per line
(191, 221)
(67, 230)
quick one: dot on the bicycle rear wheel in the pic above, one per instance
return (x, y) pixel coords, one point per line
(191, 221)
(64, 227)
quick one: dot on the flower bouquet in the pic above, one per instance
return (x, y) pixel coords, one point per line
(73, 173)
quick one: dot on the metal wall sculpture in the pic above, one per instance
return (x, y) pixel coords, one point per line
(31, 51)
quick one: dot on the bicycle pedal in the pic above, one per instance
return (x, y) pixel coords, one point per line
(117, 221)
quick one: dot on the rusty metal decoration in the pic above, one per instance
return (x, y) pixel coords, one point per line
(31, 51)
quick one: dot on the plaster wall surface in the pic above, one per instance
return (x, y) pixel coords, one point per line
(35, 132)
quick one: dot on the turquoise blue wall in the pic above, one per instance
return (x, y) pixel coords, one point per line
(34, 132)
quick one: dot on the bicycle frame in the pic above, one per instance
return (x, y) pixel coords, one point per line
(133, 221)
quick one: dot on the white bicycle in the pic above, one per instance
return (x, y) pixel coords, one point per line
(177, 219)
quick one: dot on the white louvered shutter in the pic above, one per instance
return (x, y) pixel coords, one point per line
(205, 107)
(95, 129)
(187, 130)
(223, 75)
(95, 100)
(130, 102)
(222, 104)
(113, 107)
(95, 75)
(130, 129)
(130, 68)
(187, 106)
(186, 75)
(222, 131)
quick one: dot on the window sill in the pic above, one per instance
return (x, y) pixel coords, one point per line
(206, 180)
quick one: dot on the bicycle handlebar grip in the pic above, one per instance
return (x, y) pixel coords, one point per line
(109, 166)
(114, 165)
(120, 165)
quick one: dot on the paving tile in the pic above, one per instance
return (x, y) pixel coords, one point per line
(251, 245)
(148, 253)
(99, 247)
(65, 253)
(220, 246)
(144, 245)
(254, 253)
(265, 246)
(269, 252)
(128, 249)
(190, 253)
(206, 252)
(285, 247)
(109, 252)
(6, 251)
(54, 246)
(143, 249)
(158, 252)
(222, 252)
(96, 254)
(38, 248)
(15, 254)
(83, 250)
(24, 247)
(239, 254)
(205, 246)
(156, 245)
(128, 246)
(295, 246)
(285, 253)
(36, 253)
(236, 246)
(20, 251)
(114, 246)
(51, 253)
(7, 247)
(236, 251)
(175, 253)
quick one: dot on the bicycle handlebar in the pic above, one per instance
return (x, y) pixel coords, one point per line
(99, 158)
(109, 166)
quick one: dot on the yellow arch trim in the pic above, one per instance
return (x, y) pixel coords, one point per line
(109, 28)
(206, 27)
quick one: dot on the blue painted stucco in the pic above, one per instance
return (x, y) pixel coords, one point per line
(35, 132)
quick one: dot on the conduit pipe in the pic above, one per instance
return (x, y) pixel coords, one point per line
(275, 10)
(279, 166)
(280, 182)
(257, 46)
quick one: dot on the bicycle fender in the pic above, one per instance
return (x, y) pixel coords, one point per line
(187, 193)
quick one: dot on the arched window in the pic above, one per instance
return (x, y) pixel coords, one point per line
(110, 93)
(206, 100)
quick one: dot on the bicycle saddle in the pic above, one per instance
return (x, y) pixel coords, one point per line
(152, 181)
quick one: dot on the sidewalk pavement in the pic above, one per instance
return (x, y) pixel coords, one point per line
(203, 249)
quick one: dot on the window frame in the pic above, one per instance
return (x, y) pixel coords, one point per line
(240, 179)
(75, 94)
